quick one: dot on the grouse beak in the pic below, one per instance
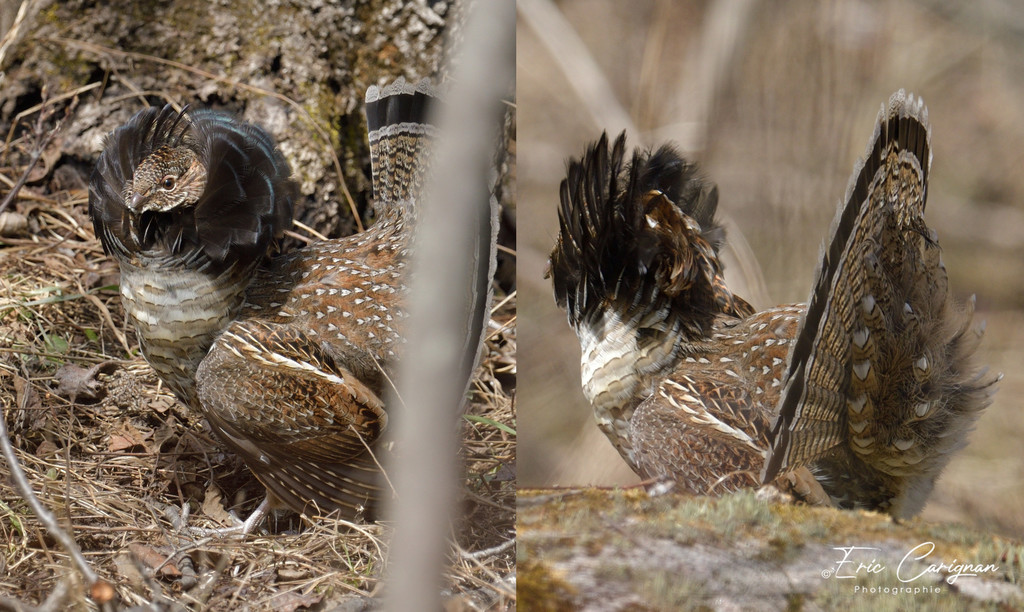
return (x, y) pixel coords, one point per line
(135, 202)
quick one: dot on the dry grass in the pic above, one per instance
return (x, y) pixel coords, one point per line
(116, 458)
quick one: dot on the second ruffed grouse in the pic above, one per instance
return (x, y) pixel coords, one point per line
(869, 387)
(286, 359)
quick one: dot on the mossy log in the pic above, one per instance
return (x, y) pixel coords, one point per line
(621, 549)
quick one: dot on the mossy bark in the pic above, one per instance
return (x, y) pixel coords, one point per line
(300, 68)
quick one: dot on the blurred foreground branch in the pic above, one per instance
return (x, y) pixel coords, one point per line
(432, 372)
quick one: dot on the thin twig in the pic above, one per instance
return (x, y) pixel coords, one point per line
(43, 138)
(310, 230)
(487, 552)
(45, 516)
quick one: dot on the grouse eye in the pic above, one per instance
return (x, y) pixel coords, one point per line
(168, 182)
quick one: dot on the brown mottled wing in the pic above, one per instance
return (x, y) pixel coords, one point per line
(701, 430)
(294, 413)
(878, 369)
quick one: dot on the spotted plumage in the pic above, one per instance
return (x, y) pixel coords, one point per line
(869, 388)
(288, 358)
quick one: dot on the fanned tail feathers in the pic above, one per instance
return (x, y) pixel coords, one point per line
(879, 377)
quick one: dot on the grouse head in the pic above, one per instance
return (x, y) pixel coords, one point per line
(169, 178)
(638, 235)
(196, 187)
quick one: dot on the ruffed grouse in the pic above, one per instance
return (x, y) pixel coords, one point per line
(287, 359)
(869, 386)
